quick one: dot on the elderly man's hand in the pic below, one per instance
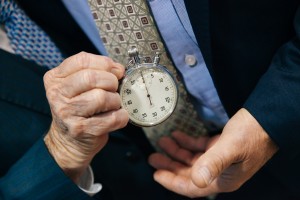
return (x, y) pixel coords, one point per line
(85, 106)
(205, 166)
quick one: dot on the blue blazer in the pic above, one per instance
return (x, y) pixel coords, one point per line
(252, 51)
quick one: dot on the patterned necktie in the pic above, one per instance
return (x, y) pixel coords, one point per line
(27, 39)
(125, 24)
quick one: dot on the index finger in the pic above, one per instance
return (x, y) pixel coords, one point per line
(84, 60)
(171, 148)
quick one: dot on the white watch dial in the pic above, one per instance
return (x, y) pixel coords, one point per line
(149, 94)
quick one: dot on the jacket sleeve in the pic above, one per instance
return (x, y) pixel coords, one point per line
(37, 176)
(27, 170)
(275, 102)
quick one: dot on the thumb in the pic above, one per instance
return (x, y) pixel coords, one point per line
(211, 164)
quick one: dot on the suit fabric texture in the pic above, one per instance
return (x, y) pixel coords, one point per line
(252, 50)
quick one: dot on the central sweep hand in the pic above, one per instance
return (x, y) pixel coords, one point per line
(148, 95)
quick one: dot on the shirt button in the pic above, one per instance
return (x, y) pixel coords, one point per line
(190, 60)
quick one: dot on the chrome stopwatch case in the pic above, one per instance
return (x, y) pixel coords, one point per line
(148, 91)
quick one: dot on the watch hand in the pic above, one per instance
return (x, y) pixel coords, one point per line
(148, 95)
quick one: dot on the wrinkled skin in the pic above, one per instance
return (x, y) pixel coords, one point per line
(206, 166)
(85, 107)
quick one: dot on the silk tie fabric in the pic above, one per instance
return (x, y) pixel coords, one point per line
(125, 24)
(27, 39)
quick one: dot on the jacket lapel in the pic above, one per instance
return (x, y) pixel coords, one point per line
(21, 83)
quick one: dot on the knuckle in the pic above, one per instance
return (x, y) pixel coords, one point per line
(115, 83)
(125, 118)
(120, 118)
(62, 111)
(107, 62)
(114, 120)
(47, 78)
(52, 93)
(102, 100)
(78, 106)
(106, 101)
(118, 100)
(60, 107)
(89, 78)
(83, 59)
(108, 81)
(76, 128)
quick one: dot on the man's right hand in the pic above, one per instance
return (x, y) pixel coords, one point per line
(85, 106)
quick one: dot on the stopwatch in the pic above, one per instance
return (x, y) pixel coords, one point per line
(148, 91)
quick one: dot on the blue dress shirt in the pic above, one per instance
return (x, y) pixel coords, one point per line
(174, 25)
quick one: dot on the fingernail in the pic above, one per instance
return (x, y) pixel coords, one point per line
(205, 174)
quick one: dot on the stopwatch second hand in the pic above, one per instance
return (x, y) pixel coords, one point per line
(148, 95)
